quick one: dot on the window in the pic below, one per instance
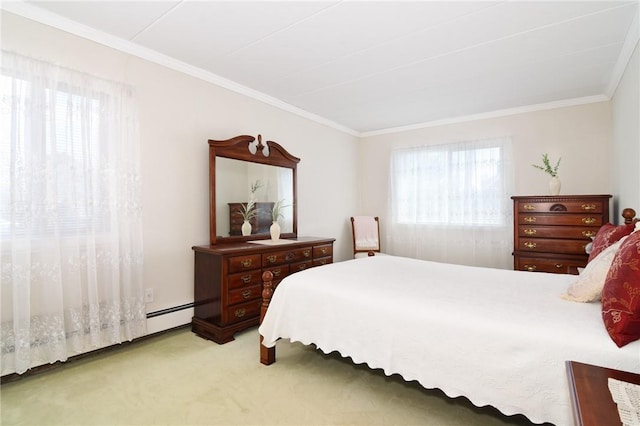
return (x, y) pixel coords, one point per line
(71, 217)
(450, 203)
(66, 140)
(462, 184)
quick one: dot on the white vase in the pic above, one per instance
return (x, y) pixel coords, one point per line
(246, 228)
(554, 186)
(275, 231)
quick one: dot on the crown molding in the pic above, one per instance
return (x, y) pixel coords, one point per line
(629, 45)
(53, 20)
(492, 114)
(48, 18)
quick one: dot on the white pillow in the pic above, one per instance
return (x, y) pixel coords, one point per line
(587, 287)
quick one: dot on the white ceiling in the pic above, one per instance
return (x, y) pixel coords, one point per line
(365, 66)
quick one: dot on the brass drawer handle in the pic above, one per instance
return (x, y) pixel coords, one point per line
(272, 259)
(588, 207)
(246, 294)
(530, 219)
(529, 207)
(324, 250)
(239, 313)
(530, 231)
(589, 234)
(246, 263)
(246, 279)
(589, 220)
(276, 272)
(530, 268)
(530, 245)
(306, 253)
(559, 265)
(302, 267)
(322, 262)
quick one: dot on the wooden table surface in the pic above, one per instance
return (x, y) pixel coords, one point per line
(590, 396)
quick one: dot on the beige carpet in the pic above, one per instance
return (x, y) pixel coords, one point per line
(177, 378)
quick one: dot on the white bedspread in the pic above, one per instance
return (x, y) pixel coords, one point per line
(497, 337)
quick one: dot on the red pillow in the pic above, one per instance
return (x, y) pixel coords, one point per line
(621, 293)
(607, 235)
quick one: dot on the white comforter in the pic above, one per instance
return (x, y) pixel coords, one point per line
(497, 337)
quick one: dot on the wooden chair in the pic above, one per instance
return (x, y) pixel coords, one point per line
(365, 231)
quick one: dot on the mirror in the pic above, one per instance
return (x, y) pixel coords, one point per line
(240, 181)
(249, 176)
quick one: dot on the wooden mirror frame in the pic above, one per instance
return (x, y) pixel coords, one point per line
(237, 148)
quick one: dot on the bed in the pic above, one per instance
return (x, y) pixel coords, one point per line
(497, 337)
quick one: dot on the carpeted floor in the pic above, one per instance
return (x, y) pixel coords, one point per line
(177, 378)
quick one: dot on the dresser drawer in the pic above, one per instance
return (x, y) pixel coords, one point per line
(245, 294)
(288, 256)
(548, 245)
(557, 266)
(300, 266)
(244, 263)
(279, 272)
(244, 279)
(322, 261)
(323, 250)
(595, 206)
(575, 232)
(242, 311)
(564, 219)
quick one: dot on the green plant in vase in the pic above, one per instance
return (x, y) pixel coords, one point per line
(554, 183)
(276, 214)
(546, 166)
(254, 187)
(247, 211)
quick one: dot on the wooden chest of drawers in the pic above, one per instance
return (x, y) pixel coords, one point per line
(551, 232)
(228, 280)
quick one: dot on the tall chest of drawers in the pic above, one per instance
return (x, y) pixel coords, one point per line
(551, 232)
(228, 280)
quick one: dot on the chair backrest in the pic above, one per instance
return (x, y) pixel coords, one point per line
(365, 231)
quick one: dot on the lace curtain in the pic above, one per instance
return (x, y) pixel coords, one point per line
(70, 214)
(450, 203)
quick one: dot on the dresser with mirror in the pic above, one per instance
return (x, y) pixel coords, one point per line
(248, 179)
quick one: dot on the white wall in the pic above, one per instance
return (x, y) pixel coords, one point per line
(178, 114)
(338, 176)
(581, 135)
(626, 136)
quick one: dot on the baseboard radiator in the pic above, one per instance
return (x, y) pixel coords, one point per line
(157, 322)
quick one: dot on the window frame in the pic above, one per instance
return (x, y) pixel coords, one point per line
(404, 184)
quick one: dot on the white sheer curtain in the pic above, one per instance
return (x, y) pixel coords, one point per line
(71, 249)
(450, 203)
